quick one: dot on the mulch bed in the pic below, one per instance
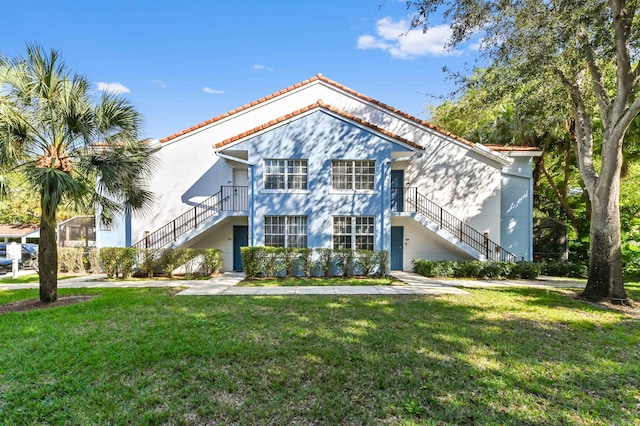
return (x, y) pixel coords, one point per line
(32, 304)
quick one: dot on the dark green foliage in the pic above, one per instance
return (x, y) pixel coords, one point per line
(211, 261)
(565, 269)
(108, 259)
(344, 261)
(288, 260)
(306, 261)
(366, 261)
(325, 261)
(526, 270)
(150, 260)
(476, 269)
(121, 261)
(270, 262)
(71, 259)
(431, 268)
(470, 268)
(252, 260)
(383, 262)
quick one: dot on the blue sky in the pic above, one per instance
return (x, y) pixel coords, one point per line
(181, 63)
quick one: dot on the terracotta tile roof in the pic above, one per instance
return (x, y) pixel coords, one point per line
(319, 104)
(505, 148)
(318, 77)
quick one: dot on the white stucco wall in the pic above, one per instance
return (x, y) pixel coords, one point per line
(220, 236)
(421, 243)
(463, 179)
(517, 207)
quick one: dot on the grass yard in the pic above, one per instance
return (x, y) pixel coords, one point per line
(144, 356)
(29, 278)
(302, 282)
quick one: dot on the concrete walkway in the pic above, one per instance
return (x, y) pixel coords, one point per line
(226, 285)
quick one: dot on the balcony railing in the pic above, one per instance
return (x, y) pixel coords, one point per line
(229, 198)
(410, 200)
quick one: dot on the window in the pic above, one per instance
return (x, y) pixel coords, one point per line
(285, 174)
(354, 233)
(353, 175)
(285, 231)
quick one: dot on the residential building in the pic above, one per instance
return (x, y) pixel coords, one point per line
(320, 165)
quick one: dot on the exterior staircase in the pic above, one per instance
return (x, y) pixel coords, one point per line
(411, 201)
(228, 199)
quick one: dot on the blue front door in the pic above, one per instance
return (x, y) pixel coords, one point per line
(240, 239)
(397, 246)
(397, 190)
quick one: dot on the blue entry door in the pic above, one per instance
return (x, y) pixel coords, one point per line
(240, 239)
(397, 190)
(397, 247)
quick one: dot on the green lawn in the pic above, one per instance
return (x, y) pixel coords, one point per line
(28, 279)
(144, 356)
(301, 282)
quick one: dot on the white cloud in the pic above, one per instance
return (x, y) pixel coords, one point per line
(159, 83)
(211, 91)
(404, 42)
(116, 88)
(262, 68)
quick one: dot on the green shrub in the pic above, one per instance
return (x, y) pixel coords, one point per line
(272, 264)
(126, 260)
(476, 269)
(383, 262)
(431, 268)
(344, 261)
(92, 263)
(168, 261)
(366, 260)
(289, 259)
(527, 270)
(71, 259)
(211, 261)
(565, 269)
(325, 261)
(467, 269)
(149, 261)
(306, 262)
(252, 260)
(108, 258)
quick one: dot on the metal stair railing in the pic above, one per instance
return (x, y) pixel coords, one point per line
(229, 198)
(413, 201)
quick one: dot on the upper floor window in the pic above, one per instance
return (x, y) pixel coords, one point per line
(353, 175)
(285, 231)
(355, 233)
(285, 174)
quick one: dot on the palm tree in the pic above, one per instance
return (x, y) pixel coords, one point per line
(70, 149)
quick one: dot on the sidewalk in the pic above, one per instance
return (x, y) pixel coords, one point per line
(226, 285)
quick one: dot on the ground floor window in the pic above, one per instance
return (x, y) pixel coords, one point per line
(285, 231)
(353, 232)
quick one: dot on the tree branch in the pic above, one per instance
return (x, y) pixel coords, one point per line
(604, 102)
(584, 135)
(622, 32)
(561, 198)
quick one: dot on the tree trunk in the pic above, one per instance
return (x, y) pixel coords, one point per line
(605, 260)
(48, 257)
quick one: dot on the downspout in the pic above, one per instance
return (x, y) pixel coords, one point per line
(250, 166)
(530, 216)
(385, 164)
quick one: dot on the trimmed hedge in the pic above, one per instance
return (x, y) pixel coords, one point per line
(77, 259)
(122, 261)
(270, 262)
(476, 269)
(565, 269)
